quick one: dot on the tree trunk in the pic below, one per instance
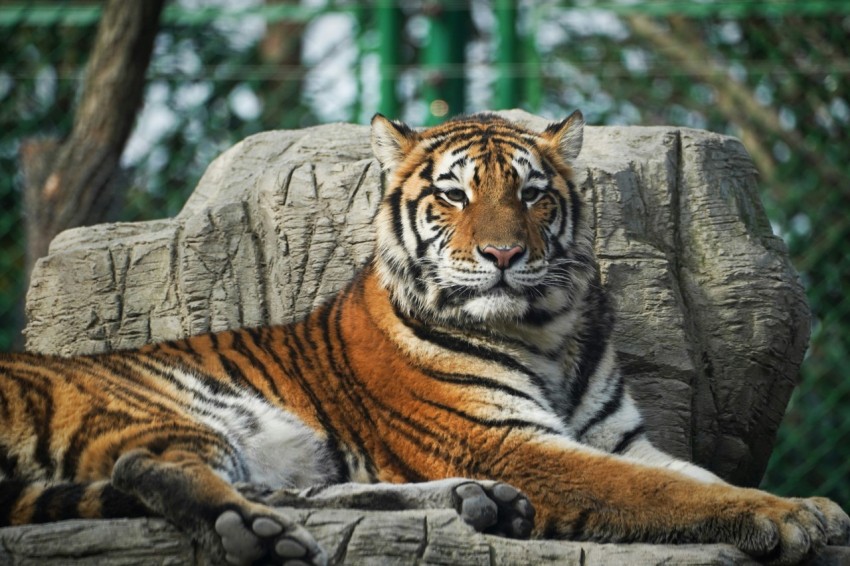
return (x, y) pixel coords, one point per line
(281, 47)
(73, 183)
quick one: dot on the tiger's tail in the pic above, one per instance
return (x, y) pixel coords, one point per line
(26, 502)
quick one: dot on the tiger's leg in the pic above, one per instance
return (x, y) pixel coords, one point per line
(607, 498)
(488, 506)
(835, 520)
(183, 488)
(643, 451)
(621, 432)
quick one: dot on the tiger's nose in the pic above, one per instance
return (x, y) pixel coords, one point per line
(502, 257)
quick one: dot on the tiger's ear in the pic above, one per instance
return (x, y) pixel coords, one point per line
(391, 141)
(566, 136)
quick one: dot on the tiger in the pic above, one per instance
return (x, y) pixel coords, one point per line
(469, 364)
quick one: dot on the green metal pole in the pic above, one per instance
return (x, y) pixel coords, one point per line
(444, 87)
(389, 30)
(532, 92)
(507, 83)
(458, 22)
(361, 14)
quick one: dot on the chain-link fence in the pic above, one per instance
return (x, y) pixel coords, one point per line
(775, 74)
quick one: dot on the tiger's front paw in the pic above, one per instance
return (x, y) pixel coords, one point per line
(781, 531)
(494, 508)
(266, 538)
(836, 520)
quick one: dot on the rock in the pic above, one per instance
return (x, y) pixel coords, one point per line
(353, 537)
(350, 537)
(712, 320)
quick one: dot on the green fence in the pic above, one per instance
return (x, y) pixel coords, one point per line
(775, 74)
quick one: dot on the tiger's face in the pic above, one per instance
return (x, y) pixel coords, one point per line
(480, 220)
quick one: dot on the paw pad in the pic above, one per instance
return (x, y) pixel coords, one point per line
(270, 538)
(495, 509)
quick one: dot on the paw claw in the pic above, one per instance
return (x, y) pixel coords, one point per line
(835, 521)
(789, 531)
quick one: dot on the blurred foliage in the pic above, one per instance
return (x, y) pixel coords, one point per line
(775, 74)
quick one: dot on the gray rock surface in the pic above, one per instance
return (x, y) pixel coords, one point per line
(712, 321)
(350, 537)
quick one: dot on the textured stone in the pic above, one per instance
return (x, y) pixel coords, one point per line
(353, 537)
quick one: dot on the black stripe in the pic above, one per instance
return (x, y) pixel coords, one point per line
(113, 366)
(578, 527)
(39, 406)
(575, 208)
(490, 423)
(115, 504)
(152, 366)
(292, 370)
(427, 171)
(241, 346)
(478, 381)
(539, 317)
(345, 372)
(412, 213)
(259, 339)
(459, 345)
(94, 422)
(562, 205)
(234, 371)
(610, 407)
(516, 144)
(627, 438)
(337, 451)
(551, 530)
(360, 395)
(592, 343)
(4, 403)
(394, 202)
(36, 393)
(8, 462)
(128, 387)
(411, 270)
(10, 493)
(58, 502)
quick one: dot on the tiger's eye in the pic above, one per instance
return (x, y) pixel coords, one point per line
(455, 195)
(530, 194)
